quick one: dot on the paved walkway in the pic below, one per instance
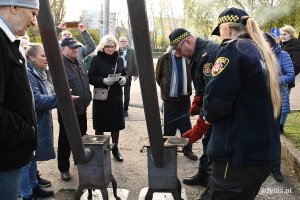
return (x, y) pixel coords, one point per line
(132, 173)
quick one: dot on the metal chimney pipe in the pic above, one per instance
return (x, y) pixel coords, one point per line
(61, 85)
(141, 39)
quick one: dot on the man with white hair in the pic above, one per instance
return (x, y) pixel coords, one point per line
(17, 119)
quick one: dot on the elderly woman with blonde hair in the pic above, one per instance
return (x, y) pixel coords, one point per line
(107, 74)
(291, 44)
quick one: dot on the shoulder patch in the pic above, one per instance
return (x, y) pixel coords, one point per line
(207, 69)
(219, 66)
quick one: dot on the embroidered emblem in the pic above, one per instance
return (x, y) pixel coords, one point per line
(219, 66)
(207, 69)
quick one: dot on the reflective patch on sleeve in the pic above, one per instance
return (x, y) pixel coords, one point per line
(219, 66)
(207, 69)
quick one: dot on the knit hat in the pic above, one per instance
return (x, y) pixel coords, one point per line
(177, 35)
(231, 15)
(21, 3)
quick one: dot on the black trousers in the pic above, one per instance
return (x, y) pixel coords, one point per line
(229, 182)
(127, 93)
(64, 150)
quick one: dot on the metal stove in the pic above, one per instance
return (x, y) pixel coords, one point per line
(165, 179)
(97, 173)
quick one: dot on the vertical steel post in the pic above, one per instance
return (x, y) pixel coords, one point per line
(106, 18)
(141, 39)
(62, 90)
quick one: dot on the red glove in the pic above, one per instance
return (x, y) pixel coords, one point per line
(196, 105)
(197, 131)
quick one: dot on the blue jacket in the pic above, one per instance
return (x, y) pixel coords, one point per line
(287, 76)
(44, 103)
(239, 107)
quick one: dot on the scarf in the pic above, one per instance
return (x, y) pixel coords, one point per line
(176, 82)
(43, 75)
(123, 54)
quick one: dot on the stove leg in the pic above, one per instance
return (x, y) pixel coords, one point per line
(90, 196)
(104, 194)
(115, 187)
(78, 193)
(149, 194)
(176, 196)
(179, 187)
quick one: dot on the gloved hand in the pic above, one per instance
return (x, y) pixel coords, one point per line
(108, 81)
(122, 81)
(197, 131)
(196, 105)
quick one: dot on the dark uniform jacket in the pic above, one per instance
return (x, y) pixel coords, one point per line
(17, 119)
(239, 106)
(202, 61)
(164, 75)
(79, 83)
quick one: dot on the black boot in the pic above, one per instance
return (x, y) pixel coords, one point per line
(41, 193)
(281, 129)
(205, 195)
(42, 182)
(29, 198)
(278, 176)
(116, 154)
(201, 178)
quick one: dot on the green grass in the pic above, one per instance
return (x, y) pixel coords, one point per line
(292, 128)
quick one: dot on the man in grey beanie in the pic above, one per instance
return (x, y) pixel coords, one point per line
(17, 119)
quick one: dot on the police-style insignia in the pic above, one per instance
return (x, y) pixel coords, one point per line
(219, 66)
(207, 69)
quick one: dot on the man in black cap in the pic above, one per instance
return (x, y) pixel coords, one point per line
(79, 84)
(17, 117)
(202, 54)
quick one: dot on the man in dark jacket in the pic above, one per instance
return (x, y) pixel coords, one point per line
(79, 84)
(202, 54)
(17, 119)
(173, 75)
(130, 65)
(84, 51)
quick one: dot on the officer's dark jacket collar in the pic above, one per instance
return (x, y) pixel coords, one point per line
(198, 50)
(242, 36)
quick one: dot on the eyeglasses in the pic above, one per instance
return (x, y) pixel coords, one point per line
(179, 49)
(109, 47)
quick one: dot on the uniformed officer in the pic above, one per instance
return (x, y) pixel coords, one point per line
(242, 102)
(202, 54)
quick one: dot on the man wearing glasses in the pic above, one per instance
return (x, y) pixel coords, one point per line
(202, 54)
(128, 56)
(79, 85)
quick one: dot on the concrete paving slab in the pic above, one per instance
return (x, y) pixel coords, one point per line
(122, 193)
(161, 196)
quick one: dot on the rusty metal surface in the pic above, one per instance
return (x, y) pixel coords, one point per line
(97, 172)
(141, 38)
(62, 90)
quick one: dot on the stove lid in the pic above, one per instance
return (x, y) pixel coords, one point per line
(95, 139)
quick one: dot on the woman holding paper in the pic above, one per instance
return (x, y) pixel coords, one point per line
(107, 75)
